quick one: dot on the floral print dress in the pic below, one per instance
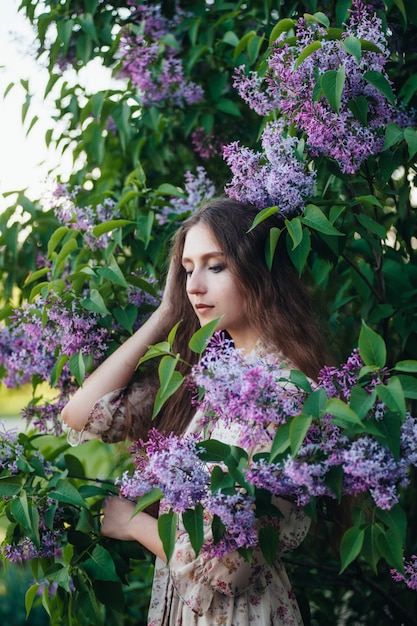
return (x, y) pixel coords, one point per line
(207, 591)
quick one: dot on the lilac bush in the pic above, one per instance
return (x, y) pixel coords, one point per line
(63, 201)
(258, 400)
(39, 334)
(153, 65)
(347, 127)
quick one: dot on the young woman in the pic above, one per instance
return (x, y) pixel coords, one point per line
(217, 270)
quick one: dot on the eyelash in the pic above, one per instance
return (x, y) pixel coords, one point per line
(214, 268)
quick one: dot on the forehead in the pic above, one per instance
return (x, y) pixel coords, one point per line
(200, 240)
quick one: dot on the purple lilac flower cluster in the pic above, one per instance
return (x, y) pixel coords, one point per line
(171, 464)
(198, 188)
(250, 396)
(38, 334)
(348, 133)
(291, 87)
(206, 145)
(244, 392)
(62, 199)
(153, 65)
(410, 573)
(274, 177)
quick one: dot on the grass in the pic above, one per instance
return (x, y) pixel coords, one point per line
(12, 401)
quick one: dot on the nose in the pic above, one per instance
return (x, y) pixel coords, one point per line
(196, 283)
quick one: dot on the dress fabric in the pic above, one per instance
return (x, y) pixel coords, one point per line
(207, 591)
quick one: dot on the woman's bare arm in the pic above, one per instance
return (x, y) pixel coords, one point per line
(118, 523)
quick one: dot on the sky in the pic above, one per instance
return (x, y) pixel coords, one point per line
(24, 159)
(20, 155)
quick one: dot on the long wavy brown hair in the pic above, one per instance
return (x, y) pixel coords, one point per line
(275, 300)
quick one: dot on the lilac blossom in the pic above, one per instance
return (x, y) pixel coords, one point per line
(152, 65)
(336, 134)
(39, 333)
(254, 90)
(237, 513)
(172, 464)
(206, 145)
(245, 393)
(410, 573)
(26, 550)
(274, 177)
(63, 201)
(197, 189)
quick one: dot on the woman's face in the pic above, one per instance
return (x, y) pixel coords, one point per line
(212, 289)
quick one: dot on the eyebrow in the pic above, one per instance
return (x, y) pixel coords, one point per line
(204, 257)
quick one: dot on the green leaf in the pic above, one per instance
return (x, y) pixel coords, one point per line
(344, 414)
(167, 528)
(332, 83)
(281, 441)
(315, 404)
(166, 370)
(315, 218)
(198, 341)
(56, 238)
(193, 520)
(361, 401)
(307, 51)
(373, 226)
(283, 26)
(269, 543)
(370, 550)
(372, 347)
(30, 596)
(270, 246)
(76, 366)
(295, 231)
(170, 388)
(378, 80)
(225, 105)
(106, 227)
(219, 479)
(393, 396)
(350, 546)
(126, 317)
(299, 255)
(300, 379)
(167, 189)
(172, 333)
(352, 45)
(298, 429)
(406, 366)
(112, 272)
(10, 486)
(101, 565)
(409, 385)
(391, 547)
(395, 519)
(213, 451)
(319, 17)
(393, 134)
(66, 492)
(154, 495)
(95, 303)
(263, 215)
(359, 107)
(410, 135)
(20, 510)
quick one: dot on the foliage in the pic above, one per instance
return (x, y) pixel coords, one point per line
(146, 150)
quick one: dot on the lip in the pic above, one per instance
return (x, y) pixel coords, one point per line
(203, 308)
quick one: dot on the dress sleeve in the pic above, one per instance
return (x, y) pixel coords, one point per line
(196, 579)
(123, 413)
